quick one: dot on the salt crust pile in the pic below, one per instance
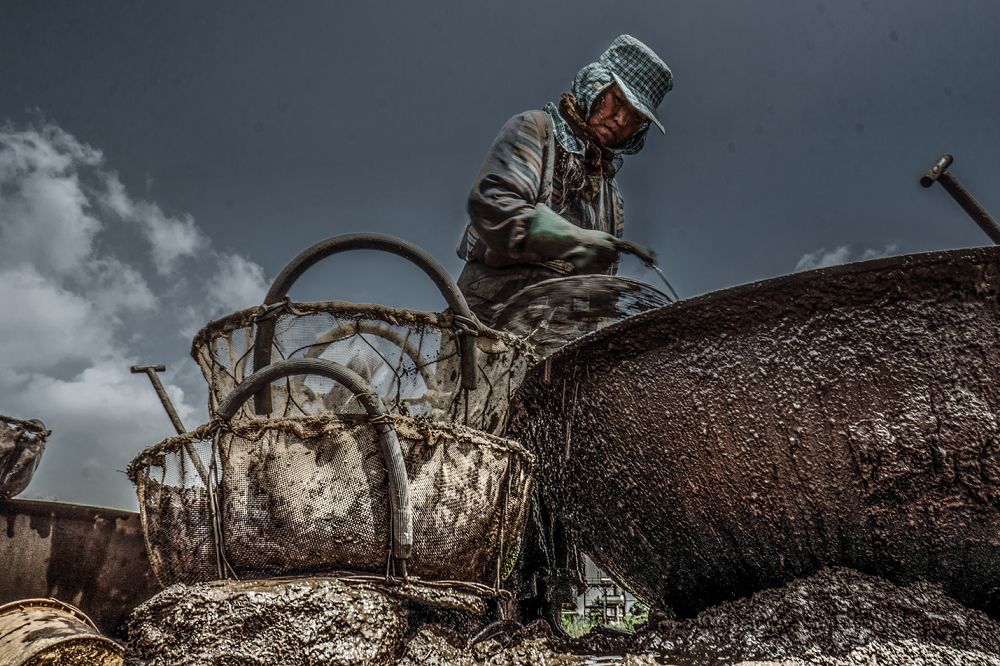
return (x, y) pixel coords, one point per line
(835, 617)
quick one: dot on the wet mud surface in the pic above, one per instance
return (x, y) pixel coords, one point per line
(846, 416)
(837, 617)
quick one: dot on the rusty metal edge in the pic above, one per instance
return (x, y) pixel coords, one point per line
(742, 294)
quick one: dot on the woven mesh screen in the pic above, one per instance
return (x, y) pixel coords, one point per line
(308, 495)
(174, 506)
(411, 359)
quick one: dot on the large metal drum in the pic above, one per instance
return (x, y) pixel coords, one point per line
(34, 632)
(723, 444)
(92, 557)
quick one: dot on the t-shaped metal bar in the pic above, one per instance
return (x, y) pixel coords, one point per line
(161, 392)
(939, 173)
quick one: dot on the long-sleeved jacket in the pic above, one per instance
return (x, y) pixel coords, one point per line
(525, 167)
(517, 175)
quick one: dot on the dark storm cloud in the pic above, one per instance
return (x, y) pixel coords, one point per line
(795, 132)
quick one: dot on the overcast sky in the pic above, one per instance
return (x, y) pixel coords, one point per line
(160, 162)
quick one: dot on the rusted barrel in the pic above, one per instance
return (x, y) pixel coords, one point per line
(94, 557)
(48, 631)
(731, 442)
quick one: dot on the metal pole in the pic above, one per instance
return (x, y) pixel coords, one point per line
(150, 371)
(939, 173)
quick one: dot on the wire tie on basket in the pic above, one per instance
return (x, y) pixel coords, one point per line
(465, 326)
(274, 309)
(381, 420)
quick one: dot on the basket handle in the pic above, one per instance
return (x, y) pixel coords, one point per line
(464, 322)
(399, 489)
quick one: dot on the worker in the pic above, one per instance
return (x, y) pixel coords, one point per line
(545, 203)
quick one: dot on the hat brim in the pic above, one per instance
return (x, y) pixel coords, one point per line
(640, 107)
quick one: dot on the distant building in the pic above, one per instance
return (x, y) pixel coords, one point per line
(603, 599)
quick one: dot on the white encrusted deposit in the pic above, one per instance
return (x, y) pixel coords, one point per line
(265, 623)
(837, 616)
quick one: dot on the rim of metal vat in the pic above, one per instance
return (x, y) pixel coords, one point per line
(969, 278)
(95, 556)
(57, 634)
(765, 288)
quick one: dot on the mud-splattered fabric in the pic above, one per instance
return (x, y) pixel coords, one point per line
(524, 168)
(309, 495)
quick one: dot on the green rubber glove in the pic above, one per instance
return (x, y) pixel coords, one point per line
(551, 236)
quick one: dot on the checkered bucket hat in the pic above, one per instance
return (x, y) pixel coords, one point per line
(640, 73)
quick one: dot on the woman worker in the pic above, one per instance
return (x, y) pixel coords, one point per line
(545, 203)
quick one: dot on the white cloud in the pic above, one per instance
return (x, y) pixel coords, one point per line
(841, 255)
(44, 325)
(80, 305)
(45, 218)
(116, 286)
(170, 238)
(237, 283)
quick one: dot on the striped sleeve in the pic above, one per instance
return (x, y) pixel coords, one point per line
(503, 198)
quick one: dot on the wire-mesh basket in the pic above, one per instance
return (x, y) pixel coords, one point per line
(358, 492)
(21, 446)
(552, 313)
(444, 367)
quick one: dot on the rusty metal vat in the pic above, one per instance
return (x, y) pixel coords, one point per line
(91, 557)
(731, 442)
(48, 631)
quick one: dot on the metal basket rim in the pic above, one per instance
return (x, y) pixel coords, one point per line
(434, 432)
(392, 315)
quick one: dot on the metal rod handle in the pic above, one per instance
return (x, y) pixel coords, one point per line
(939, 173)
(463, 318)
(150, 371)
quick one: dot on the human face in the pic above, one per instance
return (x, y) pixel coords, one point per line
(613, 119)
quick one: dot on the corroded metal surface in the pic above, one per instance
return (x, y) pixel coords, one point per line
(741, 439)
(47, 631)
(91, 557)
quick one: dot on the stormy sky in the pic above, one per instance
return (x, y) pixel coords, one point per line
(160, 162)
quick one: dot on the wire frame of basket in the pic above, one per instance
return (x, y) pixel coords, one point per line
(443, 367)
(412, 360)
(21, 446)
(552, 313)
(326, 493)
